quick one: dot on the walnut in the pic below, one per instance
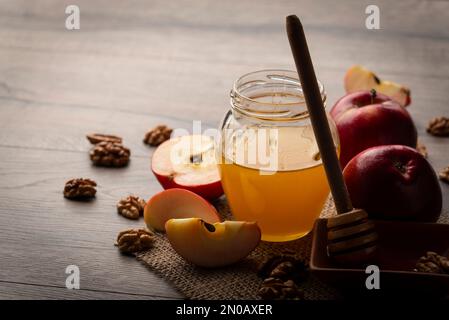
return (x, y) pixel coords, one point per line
(268, 293)
(80, 189)
(131, 207)
(157, 135)
(284, 266)
(95, 138)
(277, 289)
(428, 267)
(439, 126)
(268, 265)
(444, 175)
(281, 274)
(134, 240)
(109, 154)
(433, 263)
(422, 149)
(283, 270)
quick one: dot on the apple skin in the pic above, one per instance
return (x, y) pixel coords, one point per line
(177, 203)
(209, 191)
(364, 121)
(394, 182)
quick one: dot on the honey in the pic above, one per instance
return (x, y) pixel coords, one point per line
(284, 199)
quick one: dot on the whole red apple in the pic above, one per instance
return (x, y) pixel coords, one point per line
(394, 182)
(366, 119)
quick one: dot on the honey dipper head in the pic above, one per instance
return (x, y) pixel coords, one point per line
(351, 237)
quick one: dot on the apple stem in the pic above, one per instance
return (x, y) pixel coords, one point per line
(401, 167)
(373, 95)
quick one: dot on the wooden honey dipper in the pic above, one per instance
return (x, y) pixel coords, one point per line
(351, 236)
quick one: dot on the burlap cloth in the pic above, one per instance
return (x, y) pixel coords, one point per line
(238, 281)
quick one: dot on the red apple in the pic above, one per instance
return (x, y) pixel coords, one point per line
(394, 182)
(366, 119)
(188, 162)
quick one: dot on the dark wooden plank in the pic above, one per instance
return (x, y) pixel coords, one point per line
(42, 233)
(114, 62)
(101, 269)
(22, 291)
(398, 16)
(203, 100)
(64, 127)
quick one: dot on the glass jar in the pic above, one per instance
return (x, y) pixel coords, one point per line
(268, 158)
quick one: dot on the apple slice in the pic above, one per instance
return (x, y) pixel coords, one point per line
(212, 245)
(359, 78)
(398, 93)
(177, 203)
(188, 162)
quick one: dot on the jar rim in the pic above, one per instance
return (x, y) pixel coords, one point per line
(287, 80)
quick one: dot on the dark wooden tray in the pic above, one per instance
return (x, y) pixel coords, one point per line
(400, 246)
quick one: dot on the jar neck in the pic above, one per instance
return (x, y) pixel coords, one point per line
(270, 95)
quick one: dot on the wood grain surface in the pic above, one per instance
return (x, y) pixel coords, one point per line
(135, 64)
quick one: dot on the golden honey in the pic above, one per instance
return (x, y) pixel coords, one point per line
(284, 199)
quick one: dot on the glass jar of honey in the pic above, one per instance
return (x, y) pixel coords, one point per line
(268, 158)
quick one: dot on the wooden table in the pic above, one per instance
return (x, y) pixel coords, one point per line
(135, 64)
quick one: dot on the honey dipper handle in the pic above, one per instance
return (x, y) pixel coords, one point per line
(317, 114)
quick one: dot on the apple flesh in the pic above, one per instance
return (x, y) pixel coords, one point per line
(359, 78)
(394, 182)
(177, 203)
(212, 245)
(188, 162)
(366, 119)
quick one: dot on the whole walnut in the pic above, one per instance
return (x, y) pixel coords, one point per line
(131, 207)
(444, 175)
(282, 275)
(439, 127)
(134, 240)
(80, 189)
(110, 154)
(95, 138)
(433, 263)
(157, 135)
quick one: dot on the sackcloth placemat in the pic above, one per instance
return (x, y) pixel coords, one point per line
(239, 281)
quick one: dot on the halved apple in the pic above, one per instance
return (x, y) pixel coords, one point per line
(188, 162)
(177, 203)
(359, 78)
(212, 245)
